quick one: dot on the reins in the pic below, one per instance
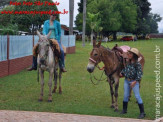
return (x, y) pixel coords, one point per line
(98, 80)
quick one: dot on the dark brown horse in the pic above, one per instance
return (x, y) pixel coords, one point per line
(113, 66)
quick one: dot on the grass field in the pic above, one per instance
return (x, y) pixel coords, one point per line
(80, 96)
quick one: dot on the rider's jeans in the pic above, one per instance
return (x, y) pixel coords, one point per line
(135, 90)
(62, 63)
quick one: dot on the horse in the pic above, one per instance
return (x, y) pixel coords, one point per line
(113, 66)
(47, 62)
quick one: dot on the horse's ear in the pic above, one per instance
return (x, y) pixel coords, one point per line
(99, 43)
(48, 35)
(116, 45)
(38, 33)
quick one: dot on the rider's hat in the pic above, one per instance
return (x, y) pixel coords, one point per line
(135, 51)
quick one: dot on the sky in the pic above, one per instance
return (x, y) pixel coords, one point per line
(156, 5)
(64, 4)
(157, 8)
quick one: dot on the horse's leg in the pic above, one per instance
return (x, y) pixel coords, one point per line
(60, 76)
(55, 80)
(50, 85)
(42, 84)
(116, 93)
(111, 92)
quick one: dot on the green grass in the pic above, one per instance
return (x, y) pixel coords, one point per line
(80, 96)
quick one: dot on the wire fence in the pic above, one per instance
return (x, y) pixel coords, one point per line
(21, 46)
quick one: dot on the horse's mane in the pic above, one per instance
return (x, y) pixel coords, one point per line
(106, 49)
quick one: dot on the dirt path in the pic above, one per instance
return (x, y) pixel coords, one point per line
(27, 116)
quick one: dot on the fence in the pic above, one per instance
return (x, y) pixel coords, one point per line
(16, 52)
(157, 35)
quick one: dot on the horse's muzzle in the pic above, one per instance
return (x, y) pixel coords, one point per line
(42, 61)
(90, 68)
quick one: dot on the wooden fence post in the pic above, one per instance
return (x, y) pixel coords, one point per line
(33, 41)
(8, 50)
(68, 43)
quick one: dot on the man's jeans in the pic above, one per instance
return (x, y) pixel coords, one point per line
(62, 62)
(135, 90)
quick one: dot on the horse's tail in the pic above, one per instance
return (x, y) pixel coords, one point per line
(38, 75)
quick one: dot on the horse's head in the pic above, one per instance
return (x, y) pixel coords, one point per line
(95, 56)
(43, 48)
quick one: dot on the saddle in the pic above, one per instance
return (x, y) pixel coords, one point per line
(121, 52)
(55, 46)
(56, 49)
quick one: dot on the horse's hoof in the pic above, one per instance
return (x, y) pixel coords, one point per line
(49, 101)
(53, 91)
(60, 92)
(112, 106)
(40, 100)
(116, 110)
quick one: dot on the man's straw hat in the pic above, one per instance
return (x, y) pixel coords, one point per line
(135, 51)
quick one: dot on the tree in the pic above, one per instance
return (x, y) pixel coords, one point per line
(6, 19)
(71, 16)
(3, 3)
(128, 13)
(152, 20)
(113, 15)
(131, 16)
(11, 29)
(95, 23)
(79, 18)
(26, 21)
(143, 9)
(84, 22)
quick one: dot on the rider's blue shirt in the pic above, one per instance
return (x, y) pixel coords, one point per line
(57, 28)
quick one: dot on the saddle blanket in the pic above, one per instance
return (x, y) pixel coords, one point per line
(125, 48)
(57, 45)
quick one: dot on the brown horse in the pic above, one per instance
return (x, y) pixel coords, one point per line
(113, 66)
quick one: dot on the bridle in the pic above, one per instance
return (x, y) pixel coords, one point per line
(91, 59)
(96, 65)
(98, 60)
(46, 51)
(45, 56)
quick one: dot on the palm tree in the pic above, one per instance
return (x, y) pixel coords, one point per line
(71, 16)
(84, 21)
(94, 24)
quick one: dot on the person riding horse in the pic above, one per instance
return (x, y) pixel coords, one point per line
(54, 26)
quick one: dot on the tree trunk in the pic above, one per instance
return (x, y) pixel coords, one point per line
(91, 37)
(84, 21)
(114, 35)
(71, 16)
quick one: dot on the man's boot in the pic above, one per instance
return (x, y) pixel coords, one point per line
(63, 70)
(124, 111)
(61, 65)
(142, 114)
